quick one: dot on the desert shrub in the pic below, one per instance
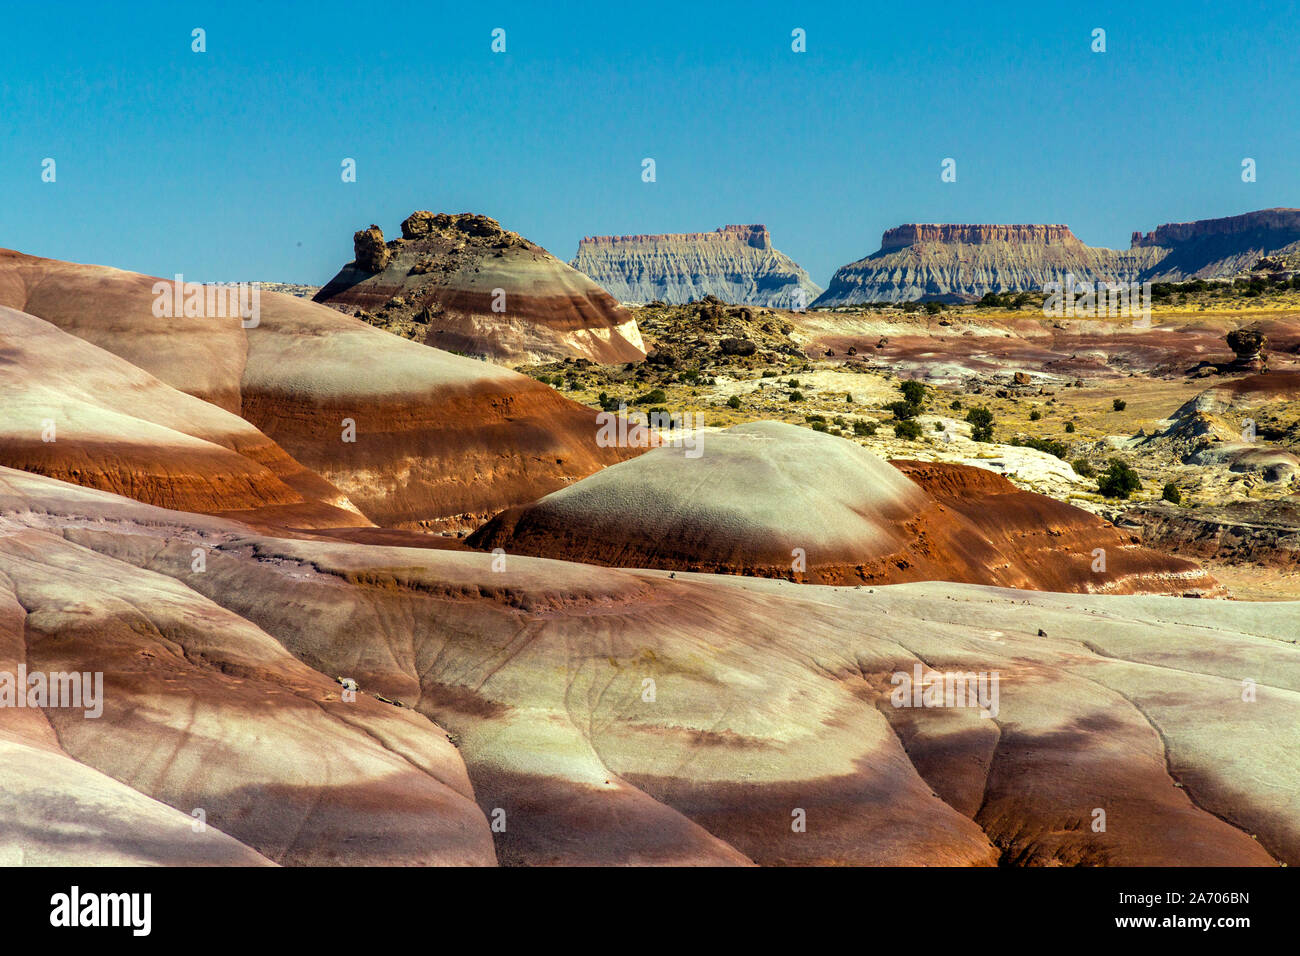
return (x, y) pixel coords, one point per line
(907, 429)
(1119, 404)
(1043, 444)
(913, 391)
(933, 308)
(848, 398)
(733, 402)
(1118, 481)
(814, 418)
(1069, 427)
(1082, 468)
(956, 405)
(1171, 493)
(796, 396)
(938, 426)
(1035, 415)
(864, 428)
(662, 418)
(903, 410)
(651, 397)
(819, 426)
(981, 424)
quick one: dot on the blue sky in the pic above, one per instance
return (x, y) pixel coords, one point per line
(226, 165)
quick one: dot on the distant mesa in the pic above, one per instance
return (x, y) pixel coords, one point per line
(955, 262)
(737, 264)
(762, 490)
(959, 262)
(464, 284)
(1218, 248)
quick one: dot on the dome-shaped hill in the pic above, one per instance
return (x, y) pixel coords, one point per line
(462, 283)
(777, 500)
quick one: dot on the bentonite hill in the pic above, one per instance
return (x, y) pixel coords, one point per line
(694, 438)
(640, 655)
(464, 284)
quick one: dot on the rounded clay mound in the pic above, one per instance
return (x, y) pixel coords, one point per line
(777, 500)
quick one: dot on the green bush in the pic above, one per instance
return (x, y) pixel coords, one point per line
(1171, 493)
(733, 402)
(864, 428)
(1082, 468)
(956, 405)
(913, 391)
(903, 410)
(1043, 444)
(1069, 427)
(1119, 404)
(1119, 480)
(981, 424)
(933, 308)
(651, 397)
(1035, 415)
(796, 396)
(907, 429)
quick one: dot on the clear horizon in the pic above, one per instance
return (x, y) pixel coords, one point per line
(225, 165)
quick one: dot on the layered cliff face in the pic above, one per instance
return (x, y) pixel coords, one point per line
(1216, 248)
(464, 284)
(962, 262)
(735, 263)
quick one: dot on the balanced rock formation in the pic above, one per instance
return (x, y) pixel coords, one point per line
(1248, 346)
(464, 284)
(220, 693)
(962, 262)
(777, 500)
(737, 264)
(413, 436)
